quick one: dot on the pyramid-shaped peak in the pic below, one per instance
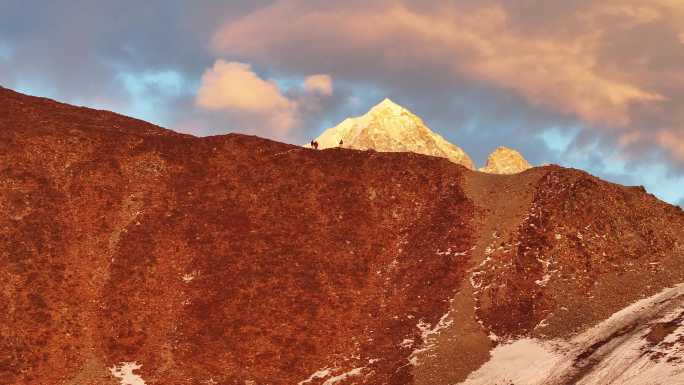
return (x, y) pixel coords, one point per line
(389, 127)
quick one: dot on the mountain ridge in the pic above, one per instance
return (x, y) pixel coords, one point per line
(236, 259)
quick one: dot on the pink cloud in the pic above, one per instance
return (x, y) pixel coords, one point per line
(235, 89)
(321, 84)
(558, 71)
(672, 142)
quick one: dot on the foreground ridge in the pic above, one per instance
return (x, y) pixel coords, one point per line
(132, 254)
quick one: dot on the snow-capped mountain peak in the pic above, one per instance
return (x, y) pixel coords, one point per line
(389, 127)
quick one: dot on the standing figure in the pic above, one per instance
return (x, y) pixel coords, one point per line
(315, 145)
(341, 142)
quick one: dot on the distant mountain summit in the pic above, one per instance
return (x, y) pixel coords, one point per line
(389, 127)
(505, 160)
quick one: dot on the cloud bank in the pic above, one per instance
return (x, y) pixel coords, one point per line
(615, 66)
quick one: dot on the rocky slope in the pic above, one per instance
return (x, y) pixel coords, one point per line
(132, 254)
(641, 344)
(388, 127)
(505, 160)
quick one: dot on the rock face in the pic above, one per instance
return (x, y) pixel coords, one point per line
(505, 160)
(132, 254)
(388, 127)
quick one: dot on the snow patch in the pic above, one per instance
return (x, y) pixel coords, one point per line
(352, 373)
(187, 277)
(524, 361)
(428, 335)
(616, 351)
(545, 280)
(406, 343)
(323, 373)
(124, 372)
(318, 374)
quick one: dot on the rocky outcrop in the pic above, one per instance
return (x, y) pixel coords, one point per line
(505, 160)
(388, 127)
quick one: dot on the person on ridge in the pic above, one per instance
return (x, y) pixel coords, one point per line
(341, 142)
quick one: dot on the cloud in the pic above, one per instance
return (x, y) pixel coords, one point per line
(235, 85)
(236, 89)
(87, 59)
(127, 57)
(560, 71)
(616, 66)
(255, 104)
(673, 143)
(321, 84)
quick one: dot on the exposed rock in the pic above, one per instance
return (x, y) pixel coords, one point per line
(505, 160)
(388, 127)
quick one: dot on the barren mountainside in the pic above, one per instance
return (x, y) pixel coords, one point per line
(132, 253)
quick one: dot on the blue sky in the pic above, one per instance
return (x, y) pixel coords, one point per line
(587, 84)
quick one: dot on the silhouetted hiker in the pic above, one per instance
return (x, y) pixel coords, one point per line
(315, 145)
(341, 142)
(311, 144)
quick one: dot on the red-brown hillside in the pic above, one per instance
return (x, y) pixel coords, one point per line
(239, 260)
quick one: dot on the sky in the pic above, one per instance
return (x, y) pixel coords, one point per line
(596, 85)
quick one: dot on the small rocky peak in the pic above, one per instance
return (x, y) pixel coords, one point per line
(505, 160)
